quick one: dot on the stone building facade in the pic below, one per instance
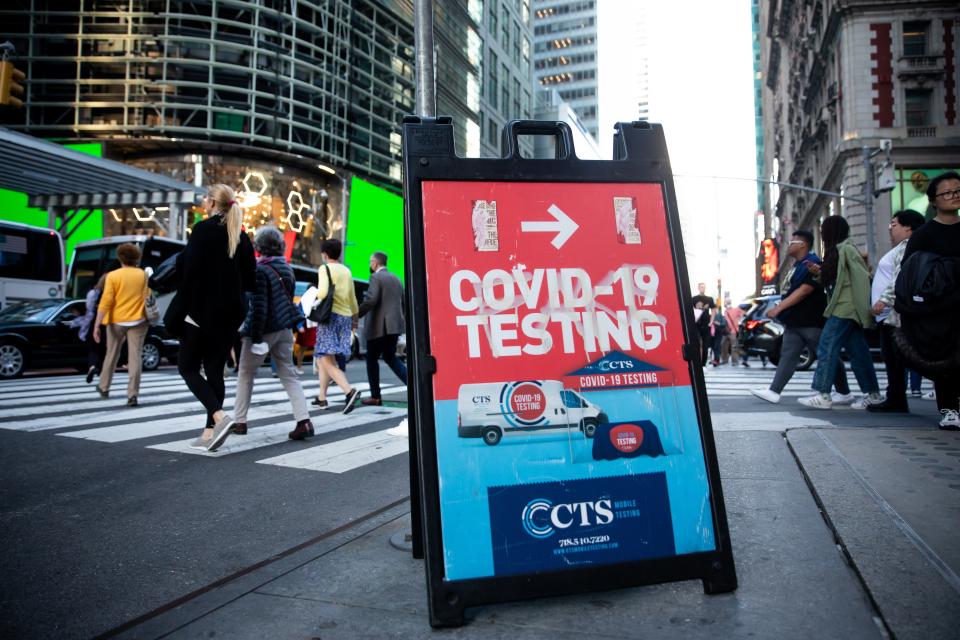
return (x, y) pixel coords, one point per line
(842, 75)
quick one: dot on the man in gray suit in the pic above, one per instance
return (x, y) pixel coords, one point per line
(383, 306)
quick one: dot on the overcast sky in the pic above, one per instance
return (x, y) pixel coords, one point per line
(700, 76)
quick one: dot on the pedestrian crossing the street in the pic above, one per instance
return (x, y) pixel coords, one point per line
(71, 408)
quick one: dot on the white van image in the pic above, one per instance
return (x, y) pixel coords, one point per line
(491, 409)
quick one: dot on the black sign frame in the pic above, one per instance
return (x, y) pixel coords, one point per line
(640, 156)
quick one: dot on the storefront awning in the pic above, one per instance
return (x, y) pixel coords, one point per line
(58, 179)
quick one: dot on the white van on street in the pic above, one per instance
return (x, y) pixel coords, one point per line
(489, 410)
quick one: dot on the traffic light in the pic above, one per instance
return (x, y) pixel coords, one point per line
(11, 86)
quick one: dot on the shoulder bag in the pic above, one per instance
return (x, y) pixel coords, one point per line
(151, 309)
(323, 309)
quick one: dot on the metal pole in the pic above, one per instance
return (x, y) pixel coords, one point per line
(868, 206)
(423, 44)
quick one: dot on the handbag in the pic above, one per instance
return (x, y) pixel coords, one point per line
(151, 308)
(167, 276)
(323, 309)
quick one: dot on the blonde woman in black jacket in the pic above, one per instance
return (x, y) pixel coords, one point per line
(218, 266)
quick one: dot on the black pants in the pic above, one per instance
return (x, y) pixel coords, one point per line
(896, 369)
(96, 352)
(198, 348)
(947, 386)
(705, 341)
(385, 346)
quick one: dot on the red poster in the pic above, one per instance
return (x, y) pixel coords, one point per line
(529, 281)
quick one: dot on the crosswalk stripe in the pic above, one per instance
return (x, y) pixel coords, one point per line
(276, 433)
(147, 396)
(277, 410)
(139, 414)
(343, 455)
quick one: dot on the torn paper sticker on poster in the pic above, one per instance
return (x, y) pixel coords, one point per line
(485, 236)
(625, 211)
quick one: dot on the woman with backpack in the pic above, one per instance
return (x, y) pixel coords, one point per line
(267, 329)
(846, 278)
(217, 267)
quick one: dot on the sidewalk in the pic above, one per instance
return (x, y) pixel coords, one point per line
(890, 494)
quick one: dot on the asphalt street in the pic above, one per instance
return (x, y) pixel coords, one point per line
(107, 516)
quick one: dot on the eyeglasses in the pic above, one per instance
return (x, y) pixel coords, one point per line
(797, 242)
(949, 195)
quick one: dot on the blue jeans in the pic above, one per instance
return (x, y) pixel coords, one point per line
(842, 333)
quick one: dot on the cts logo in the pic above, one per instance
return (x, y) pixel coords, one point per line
(481, 399)
(541, 518)
(614, 365)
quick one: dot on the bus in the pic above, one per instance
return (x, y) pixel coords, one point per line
(96, 257)
(31, 263)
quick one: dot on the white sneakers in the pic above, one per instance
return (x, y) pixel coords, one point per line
(766, 394)
(825, 401)
(401, 430)
(841, 398)
(870, 398)
(950, 420)
(817, 401)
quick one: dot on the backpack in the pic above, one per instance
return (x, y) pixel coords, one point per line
(719, 323)
(928, 301)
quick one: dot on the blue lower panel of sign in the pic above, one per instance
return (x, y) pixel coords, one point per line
(559, 525)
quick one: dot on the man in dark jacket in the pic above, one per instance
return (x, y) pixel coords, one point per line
(268, 328)
(383, 308)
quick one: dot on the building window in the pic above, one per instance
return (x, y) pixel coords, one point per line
(918, 103)
(915, 38)
(505, 30)
(493, 17)
(525, 52)
(505, 90)
(516, 43)
(492, 95)
(517, 113)
(525, 11)
(493, 132)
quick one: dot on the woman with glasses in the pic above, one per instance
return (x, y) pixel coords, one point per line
(941, 236)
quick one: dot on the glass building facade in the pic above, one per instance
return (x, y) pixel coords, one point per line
(565, 55)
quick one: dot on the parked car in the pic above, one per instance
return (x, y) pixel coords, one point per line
(38, 335)
(762, 337)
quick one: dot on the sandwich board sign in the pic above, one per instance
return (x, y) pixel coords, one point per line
(562, 436)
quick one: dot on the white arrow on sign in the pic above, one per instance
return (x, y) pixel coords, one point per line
(562, 224)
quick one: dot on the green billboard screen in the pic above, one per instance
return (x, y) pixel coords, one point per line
(13, 207)
(374, 223)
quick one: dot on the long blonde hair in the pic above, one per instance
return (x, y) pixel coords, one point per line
(225, 203)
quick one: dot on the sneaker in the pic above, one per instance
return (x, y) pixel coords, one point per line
(745, 364)
(92, 371)
(352, 398)
(400, 431)
(888, 407)
(220, 433)
(371, 402)
(201, 442)
(298, 371)
(841, 398)
(766, 394)
(916, 393)
(317, 402)
(817, 401)
(950, 420)
(239, 429)
(132, 401)
(304, 429)
(930, 395)
(864, 401)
